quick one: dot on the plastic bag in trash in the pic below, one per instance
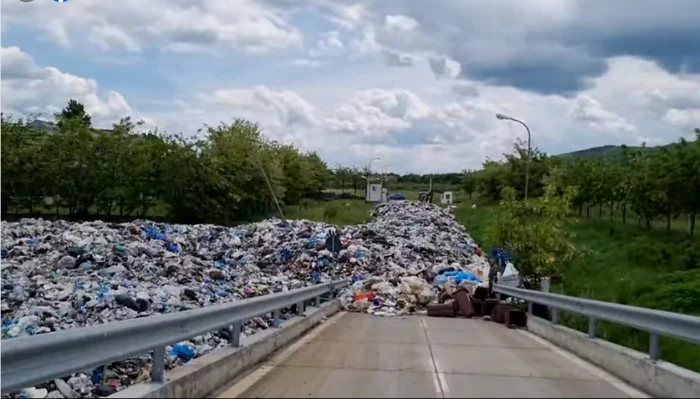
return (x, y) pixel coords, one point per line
(183, 351)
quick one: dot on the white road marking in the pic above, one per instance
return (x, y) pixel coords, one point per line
(439, 381)
(588, 366)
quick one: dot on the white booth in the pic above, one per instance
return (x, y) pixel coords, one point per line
(446, 198)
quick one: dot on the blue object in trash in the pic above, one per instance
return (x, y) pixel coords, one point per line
(184, 352)
(173, 248)
(315, 275)
(97, 375)
(286, 254)
(153, 233)
(501, 255)
(360, 255)
(220, 264)
(461, 276)
(356, 277)
(376, 302)
(4, 254)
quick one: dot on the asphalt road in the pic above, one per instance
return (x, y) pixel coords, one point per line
(359, 355)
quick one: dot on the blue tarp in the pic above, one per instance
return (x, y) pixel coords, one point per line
(461, 276)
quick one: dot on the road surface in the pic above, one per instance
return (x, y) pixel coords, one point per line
(359, 355)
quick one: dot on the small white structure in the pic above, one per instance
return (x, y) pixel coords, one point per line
(446, 198)
(374, 192)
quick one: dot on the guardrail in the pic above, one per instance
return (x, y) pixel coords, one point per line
(656, 322)
(32, 360)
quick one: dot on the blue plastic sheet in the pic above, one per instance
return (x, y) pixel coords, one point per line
(461, 276)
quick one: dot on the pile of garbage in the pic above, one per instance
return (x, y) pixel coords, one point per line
(58, 275)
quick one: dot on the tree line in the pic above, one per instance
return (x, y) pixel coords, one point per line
(222, 174)
(352, 179)
(660, 183)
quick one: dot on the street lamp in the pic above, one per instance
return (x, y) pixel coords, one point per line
(502, 117)
(369, 166)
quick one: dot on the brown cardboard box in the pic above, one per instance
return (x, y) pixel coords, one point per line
(463, 302)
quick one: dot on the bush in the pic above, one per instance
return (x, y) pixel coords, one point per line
(534, 231)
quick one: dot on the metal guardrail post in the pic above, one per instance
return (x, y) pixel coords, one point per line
(236, 334)
(592, 327)
(317, 301)
(300, 308)
(158, 370)
(24, 358)
(529, 308)
(555, 316)
(276, 322)
(654, 346)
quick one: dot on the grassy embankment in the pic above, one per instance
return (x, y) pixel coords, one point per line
(626, 264)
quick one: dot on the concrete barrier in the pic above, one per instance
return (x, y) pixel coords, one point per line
(204, 375)
(660, 379)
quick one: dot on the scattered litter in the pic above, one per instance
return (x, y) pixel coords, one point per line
(58, 275)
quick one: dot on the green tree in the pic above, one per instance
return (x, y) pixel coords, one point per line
(534, 231)
(469, 182)
(74, 111)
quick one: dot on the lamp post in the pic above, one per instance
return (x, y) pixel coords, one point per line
(369, 165)
(529, 141)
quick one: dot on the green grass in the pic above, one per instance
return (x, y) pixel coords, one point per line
(340, 212)
(679, 224)
(626, 264)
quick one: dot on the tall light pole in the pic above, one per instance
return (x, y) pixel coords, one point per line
(529, 151)
(369, 165)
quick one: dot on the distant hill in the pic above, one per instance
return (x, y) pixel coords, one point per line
(43, 126)
(613, 152)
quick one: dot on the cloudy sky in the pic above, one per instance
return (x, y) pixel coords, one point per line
(414, 82)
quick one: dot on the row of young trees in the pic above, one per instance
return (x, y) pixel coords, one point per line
(223, 174)
(655, 183)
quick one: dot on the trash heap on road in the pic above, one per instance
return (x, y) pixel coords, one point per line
(58, 275)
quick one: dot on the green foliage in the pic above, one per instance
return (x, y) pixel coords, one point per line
(74, 111)
(533, 230)
(215, 177)
(511, 172)
(662, 184)
(469, 181)
(624, 264)
(339, 212)
(330, 212)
